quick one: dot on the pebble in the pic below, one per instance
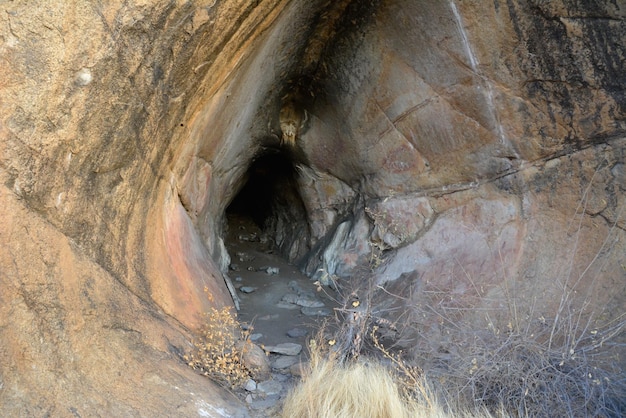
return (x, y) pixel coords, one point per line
(247, 237)
(296, 332)
(247, 289)
(250, 385)
(249, 398)
(315, 311)
(270, 387)
(272, 270)
(284, 362)
(243, 257)
(287, 349)
(255, 336)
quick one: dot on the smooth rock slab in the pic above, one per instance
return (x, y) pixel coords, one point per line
(284, 362)
(287, 349)
(315, 311)
(285, 305)
(263, 405)
(290, 298)
(270, 387)
(309, 302)
(297, 332)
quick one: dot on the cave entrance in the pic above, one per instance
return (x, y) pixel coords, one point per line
(271, 200)
(267, 234)
(269, 180)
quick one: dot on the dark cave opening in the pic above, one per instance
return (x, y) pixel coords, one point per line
(271, 199)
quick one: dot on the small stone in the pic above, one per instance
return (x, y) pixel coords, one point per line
(247, 289)
(243, 257)
(272, 270)
(270, 387)
(285, 305)
(296, 332)
(255, 336)
(287, 349)
(247, 237)
(296, 287)
(284, 362)
(309, 302)
(238, 279)
(249, 398)
(290, 298)
(234, 267)
(298, 369)
(315, 311)
(255, 360)
(280, 377)
(250, 385)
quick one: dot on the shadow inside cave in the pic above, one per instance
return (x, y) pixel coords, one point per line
(265, 221)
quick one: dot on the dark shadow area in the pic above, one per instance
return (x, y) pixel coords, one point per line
(270, 198)
(269, 184)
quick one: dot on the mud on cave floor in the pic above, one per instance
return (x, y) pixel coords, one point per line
(280, 304)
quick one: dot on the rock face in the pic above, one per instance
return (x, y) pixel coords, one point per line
(455, 145)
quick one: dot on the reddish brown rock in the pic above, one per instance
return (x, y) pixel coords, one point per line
(468, 148)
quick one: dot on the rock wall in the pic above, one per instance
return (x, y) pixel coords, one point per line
(453, 144)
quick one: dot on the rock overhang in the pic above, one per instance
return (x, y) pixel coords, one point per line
(461, 111)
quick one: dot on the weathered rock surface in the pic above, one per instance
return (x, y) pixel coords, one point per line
(450, 147)
(76, 341)
(287, 349)
(256, 361)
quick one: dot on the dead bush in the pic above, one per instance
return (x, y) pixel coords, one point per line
(217, 351)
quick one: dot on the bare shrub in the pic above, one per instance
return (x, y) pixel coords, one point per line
(534, 370)
(218, 352)
(523, 360)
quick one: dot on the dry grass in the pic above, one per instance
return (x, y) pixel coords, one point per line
(218, 352)
(355, 389)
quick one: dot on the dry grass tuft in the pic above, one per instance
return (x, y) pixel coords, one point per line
(364, 388)
(218, 352)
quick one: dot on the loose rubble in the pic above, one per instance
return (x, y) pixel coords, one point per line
(279, 355)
